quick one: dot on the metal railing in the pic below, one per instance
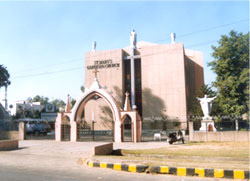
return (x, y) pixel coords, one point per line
(227, 125)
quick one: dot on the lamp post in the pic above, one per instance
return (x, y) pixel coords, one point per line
(93, 125)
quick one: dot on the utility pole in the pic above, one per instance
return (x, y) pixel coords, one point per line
(93, 125)
(5, 99)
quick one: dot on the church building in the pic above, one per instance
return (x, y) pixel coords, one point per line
(161, 80)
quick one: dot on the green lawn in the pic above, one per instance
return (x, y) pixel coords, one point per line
(210, 149)
(227, 155)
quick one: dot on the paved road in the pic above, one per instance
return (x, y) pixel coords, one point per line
(53, 161)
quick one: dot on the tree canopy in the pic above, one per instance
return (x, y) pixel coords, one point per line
(58, 103)
(41, 99)
(231, 65)
(4, 76)
(45, 100)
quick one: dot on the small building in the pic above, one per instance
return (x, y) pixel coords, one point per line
(26, 108)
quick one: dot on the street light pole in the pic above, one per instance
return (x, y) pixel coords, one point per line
(93, 126)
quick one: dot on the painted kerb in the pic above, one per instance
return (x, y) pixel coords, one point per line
(119, 166)
(201, 172)
(180, 171)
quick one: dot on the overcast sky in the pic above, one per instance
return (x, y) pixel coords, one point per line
(43, 44)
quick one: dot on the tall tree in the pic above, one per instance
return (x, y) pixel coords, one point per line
(73, 101)
(41, 99)
(231, 64)
(4, 76)
(58, 103)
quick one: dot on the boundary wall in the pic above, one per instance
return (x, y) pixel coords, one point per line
(220, 136)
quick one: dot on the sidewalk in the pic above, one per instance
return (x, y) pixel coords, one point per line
(62, 155)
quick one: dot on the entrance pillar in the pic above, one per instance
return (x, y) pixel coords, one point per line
(118, 133)
(58, 130)
(135, 120)
(58, 127)
(22, 131)
(73, 131)
(138, 128)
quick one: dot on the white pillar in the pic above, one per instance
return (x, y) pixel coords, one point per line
(58, 127)
(73, 131)
(58, 131)
(191, 131)
(118, 133)
(236, 125)
(132, 71)
(22, 131)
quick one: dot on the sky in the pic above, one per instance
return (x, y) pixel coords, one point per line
(43, 44)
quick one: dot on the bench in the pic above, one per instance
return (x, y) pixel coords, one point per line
(157, 136)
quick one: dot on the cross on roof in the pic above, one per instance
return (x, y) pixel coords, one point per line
(95, 72)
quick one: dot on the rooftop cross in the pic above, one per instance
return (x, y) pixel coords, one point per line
(95, 72)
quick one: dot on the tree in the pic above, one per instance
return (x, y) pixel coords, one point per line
(73, 101)
(41, 99)
(58, 103)
(231, 65)
(4, 76)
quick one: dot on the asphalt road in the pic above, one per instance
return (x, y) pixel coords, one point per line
(51, 161)
(21, 174)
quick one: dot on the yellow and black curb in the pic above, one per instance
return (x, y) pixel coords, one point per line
(201, 172)
(180, 171)
(118, 166)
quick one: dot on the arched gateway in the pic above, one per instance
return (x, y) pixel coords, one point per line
(75, 115)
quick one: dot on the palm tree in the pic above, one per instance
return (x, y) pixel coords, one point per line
(4, 82)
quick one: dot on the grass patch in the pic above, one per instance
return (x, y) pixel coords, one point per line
(227, 155)
(211, 149)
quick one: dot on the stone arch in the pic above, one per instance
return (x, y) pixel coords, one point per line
(78, 108)
(80, 104)
(65, 119)
(124, 116)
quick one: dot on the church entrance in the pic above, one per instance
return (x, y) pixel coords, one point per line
(96, 116)
(96, 122)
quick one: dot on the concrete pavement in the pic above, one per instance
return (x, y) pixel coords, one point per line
(50, 160)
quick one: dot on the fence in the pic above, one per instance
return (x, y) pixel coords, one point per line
(229, 125)
(8, 125)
